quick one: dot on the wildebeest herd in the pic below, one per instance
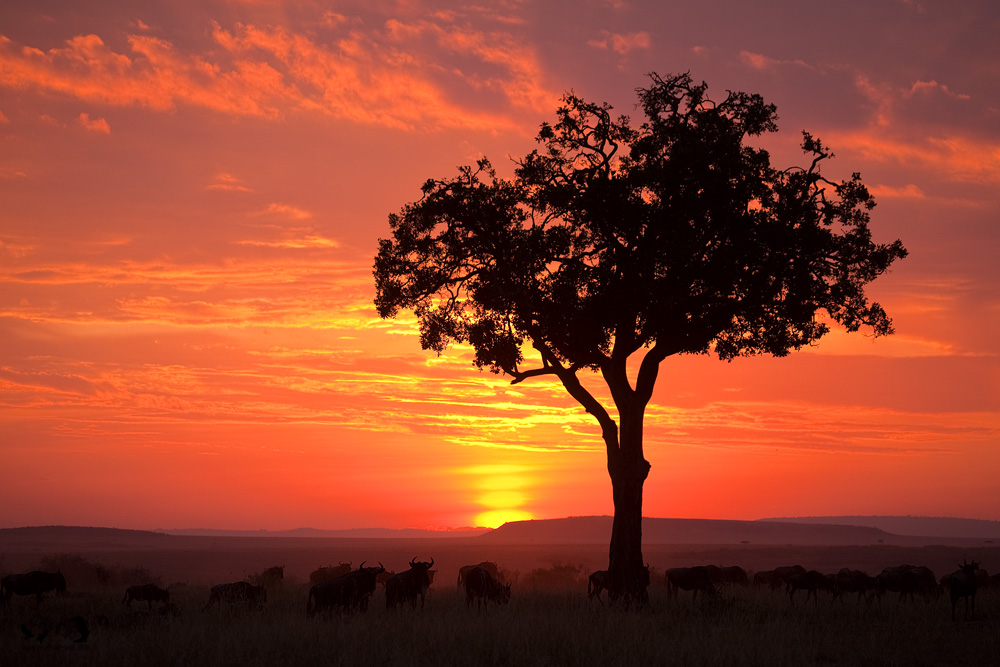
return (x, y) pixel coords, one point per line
(343, 589)
(907, 581)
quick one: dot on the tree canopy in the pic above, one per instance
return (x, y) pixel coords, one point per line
(674, 236)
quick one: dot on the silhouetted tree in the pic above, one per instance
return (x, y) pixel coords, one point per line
(675, 237)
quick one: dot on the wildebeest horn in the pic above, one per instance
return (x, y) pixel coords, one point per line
(362, 564)
(381, 567)
(413, 560)
(432, 562)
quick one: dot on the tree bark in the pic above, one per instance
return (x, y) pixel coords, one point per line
(627, 573)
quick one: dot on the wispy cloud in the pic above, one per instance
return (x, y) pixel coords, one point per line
(223, 181)
(759, 61)
(622, 44)
(375, 76)
(94, 124)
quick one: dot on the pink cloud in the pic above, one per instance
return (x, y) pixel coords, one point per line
(933, 87)
(286, 211)
(271, 72)
(957, 158)
(95, 124)
(229, 182)
(622, 44)
(908, 191)
(761, 62)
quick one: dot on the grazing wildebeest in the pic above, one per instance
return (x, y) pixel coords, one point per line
(734, 575)
(271, 576)
(480, 584)
(149, 593)
(239, 592)
(409, 585)
(963, 584)
(72, 629)
(489, 566)
(783, 574)
(689, 579)
(347, 593)
(907, 580)
(329, 572)
(764, 578)
(597, 582)
(811, 582)
(32, 583)
(854, 581)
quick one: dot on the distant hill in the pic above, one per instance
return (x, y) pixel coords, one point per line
(351, 533)
(927, 526)
(81, 535)
(597, 530)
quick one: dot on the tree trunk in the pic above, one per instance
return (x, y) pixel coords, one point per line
(627, 573)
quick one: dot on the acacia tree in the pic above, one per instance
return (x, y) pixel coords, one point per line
(675, 237)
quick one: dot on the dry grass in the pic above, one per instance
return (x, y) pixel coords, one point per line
(743, 627)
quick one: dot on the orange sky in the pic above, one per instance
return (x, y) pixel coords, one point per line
(191, 196)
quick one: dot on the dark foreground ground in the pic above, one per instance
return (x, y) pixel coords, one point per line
(549, 620)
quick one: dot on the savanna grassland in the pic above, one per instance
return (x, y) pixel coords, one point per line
(549, 621)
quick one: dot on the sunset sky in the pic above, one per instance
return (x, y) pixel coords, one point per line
(191, 195)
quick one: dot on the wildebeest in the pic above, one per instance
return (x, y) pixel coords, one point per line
(239, 592)
(597, 582)
(690, 579)
(347, 593)
(480, 584)
(764, 578)
(811, 582)
(149, 593)
(784, 573)
(270, 577)
(329, 572)
(32, 583)
(409, 585)
(963, 584)
(489, 566)
(734, 575)
(906, 580)
(73, 629)
(854, 581)
(383, 577)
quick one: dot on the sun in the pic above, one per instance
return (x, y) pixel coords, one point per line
(498, 517)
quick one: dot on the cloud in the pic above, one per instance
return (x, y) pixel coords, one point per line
(3, 119)
(761, 62)
(286, 211)
(224, 181)
(957, 158)
(309, 241)
(621, 44)
(933, 87)
(94, 125)
(63, 383)
(908, 191)
(390, 75)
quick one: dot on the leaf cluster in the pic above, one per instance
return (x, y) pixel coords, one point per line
(676, 235)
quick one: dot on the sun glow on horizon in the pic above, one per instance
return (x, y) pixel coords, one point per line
(497, 518)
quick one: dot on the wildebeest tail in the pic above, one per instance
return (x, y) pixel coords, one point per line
(311, 602)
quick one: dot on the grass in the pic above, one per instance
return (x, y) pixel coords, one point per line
(742, 627)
